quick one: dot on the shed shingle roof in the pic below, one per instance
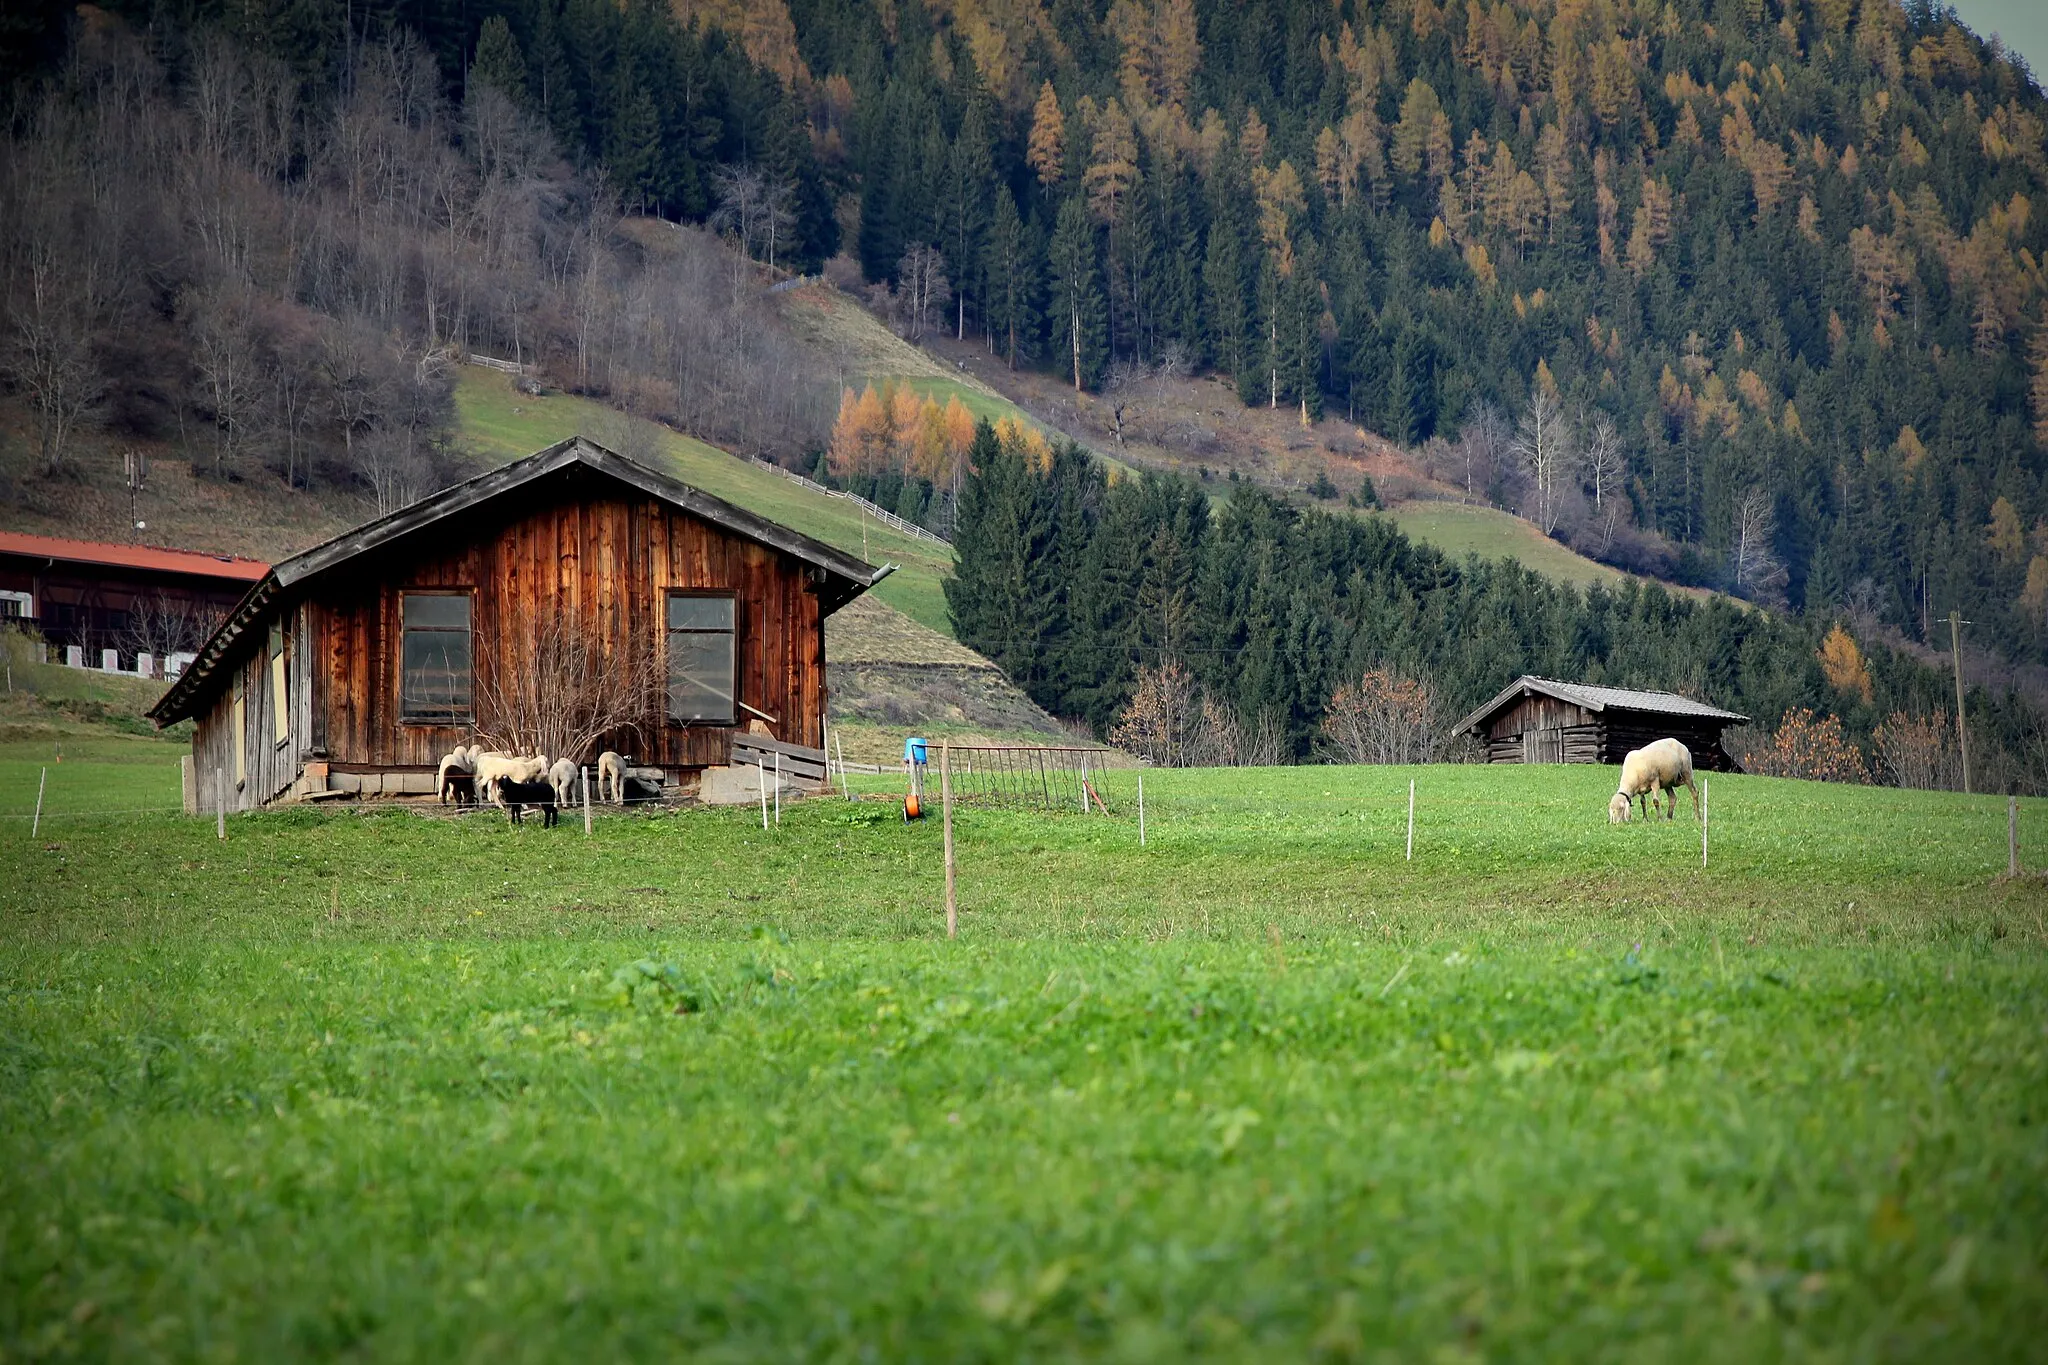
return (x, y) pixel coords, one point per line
(1597, 698)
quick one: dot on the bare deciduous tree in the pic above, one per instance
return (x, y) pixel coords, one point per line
(1485, 441)
(1753, 566)
(924, 287)
(1543, 447)
(1604, 462)
(559, 687)
(1385, 717)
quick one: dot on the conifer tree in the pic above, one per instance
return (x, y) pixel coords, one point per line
(1079, 312)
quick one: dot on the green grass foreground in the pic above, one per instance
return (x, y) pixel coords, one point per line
(409, 1088)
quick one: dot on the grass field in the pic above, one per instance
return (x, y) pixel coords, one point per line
(500, 421)
(410, 1088)
(1460, 530)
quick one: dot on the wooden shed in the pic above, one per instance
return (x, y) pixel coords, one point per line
(354, 666)
(1537, 720)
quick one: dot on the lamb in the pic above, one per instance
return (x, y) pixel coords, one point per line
(1660, 767)
(611, 773)
(562, 777)
(515, 796)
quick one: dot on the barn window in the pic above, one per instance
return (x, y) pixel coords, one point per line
(280, 703)
(703, 658)
(435, 671)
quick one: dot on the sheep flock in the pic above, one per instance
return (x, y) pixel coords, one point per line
(471, 774)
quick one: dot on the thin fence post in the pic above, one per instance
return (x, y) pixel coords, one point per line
(1411, 819)
(1141, 810)
(220, 803)
(41, 782)
(778, 786)
(843, 789)
(946, 809)
(1705, 809)
(2012, 835)
(761, 771)
(586, 800)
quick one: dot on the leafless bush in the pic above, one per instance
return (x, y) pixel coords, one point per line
(1384, 717)
(556, 686)
(1921, 751)
(1173, 722)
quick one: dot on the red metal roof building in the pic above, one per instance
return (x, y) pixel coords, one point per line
(86, 598)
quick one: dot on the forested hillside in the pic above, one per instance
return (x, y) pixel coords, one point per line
(1250, 633)
(1756, 286)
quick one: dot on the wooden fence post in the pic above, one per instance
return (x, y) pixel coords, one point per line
(220, 803)
(586, 800)
(761, 771)
(844, 790)
(41, 782)
(1411, 819)
(1705, 810)
(2012, 835)
(946, 807)
(1141, 810)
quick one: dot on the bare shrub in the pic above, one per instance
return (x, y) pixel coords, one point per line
(1804, 746)
(1163, 722)
(1173, 722)
(1384, 717)
(556, 686)
(161, 625)
(1920, 751)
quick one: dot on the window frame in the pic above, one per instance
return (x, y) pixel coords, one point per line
(238, 712)
(451, 718)
(668, 634)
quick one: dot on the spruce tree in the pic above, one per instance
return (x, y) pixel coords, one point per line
(497, 62)
(1079, 313)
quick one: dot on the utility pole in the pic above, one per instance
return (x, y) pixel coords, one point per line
(135, 466)
(1955, 646)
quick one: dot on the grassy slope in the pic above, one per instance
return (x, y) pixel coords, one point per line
(366, 1083)
(501, 422)
(1491, 534)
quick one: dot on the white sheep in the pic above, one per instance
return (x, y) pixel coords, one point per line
(460, 759)
(611, 776)
(1661, 767)
(562, 777)
(494, 768)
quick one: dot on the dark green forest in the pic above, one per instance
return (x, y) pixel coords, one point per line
(1074, 583)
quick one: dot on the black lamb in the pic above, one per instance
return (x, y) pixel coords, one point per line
(517, 795)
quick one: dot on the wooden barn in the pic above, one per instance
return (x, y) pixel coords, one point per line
(1536, 720)
(353, 667)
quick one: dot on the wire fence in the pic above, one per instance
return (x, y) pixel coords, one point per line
(1045, 776)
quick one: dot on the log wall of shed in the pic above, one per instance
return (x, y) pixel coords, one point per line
(606, 557)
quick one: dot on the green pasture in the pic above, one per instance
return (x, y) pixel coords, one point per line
(503, 423)
(1459, 530)
(396, 1086)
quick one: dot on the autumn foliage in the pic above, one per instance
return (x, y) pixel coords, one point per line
(896, 431)
(1843, 664)
(1811, 747)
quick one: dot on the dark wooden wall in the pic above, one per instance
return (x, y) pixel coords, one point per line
(269, 766)
(605, 556)
(1585, 736)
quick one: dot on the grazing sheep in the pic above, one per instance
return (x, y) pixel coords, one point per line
(515, 796)
(494, 769)
(562, 777)
(1658, 768)
(611, 775)
(459, 784)
(460, 759)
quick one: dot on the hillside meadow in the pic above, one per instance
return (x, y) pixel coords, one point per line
(410, 1087)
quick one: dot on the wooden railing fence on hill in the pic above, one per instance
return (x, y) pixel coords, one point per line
(879, 513)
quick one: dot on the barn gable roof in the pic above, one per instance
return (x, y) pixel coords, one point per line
(842, 577)
(1598, 699)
